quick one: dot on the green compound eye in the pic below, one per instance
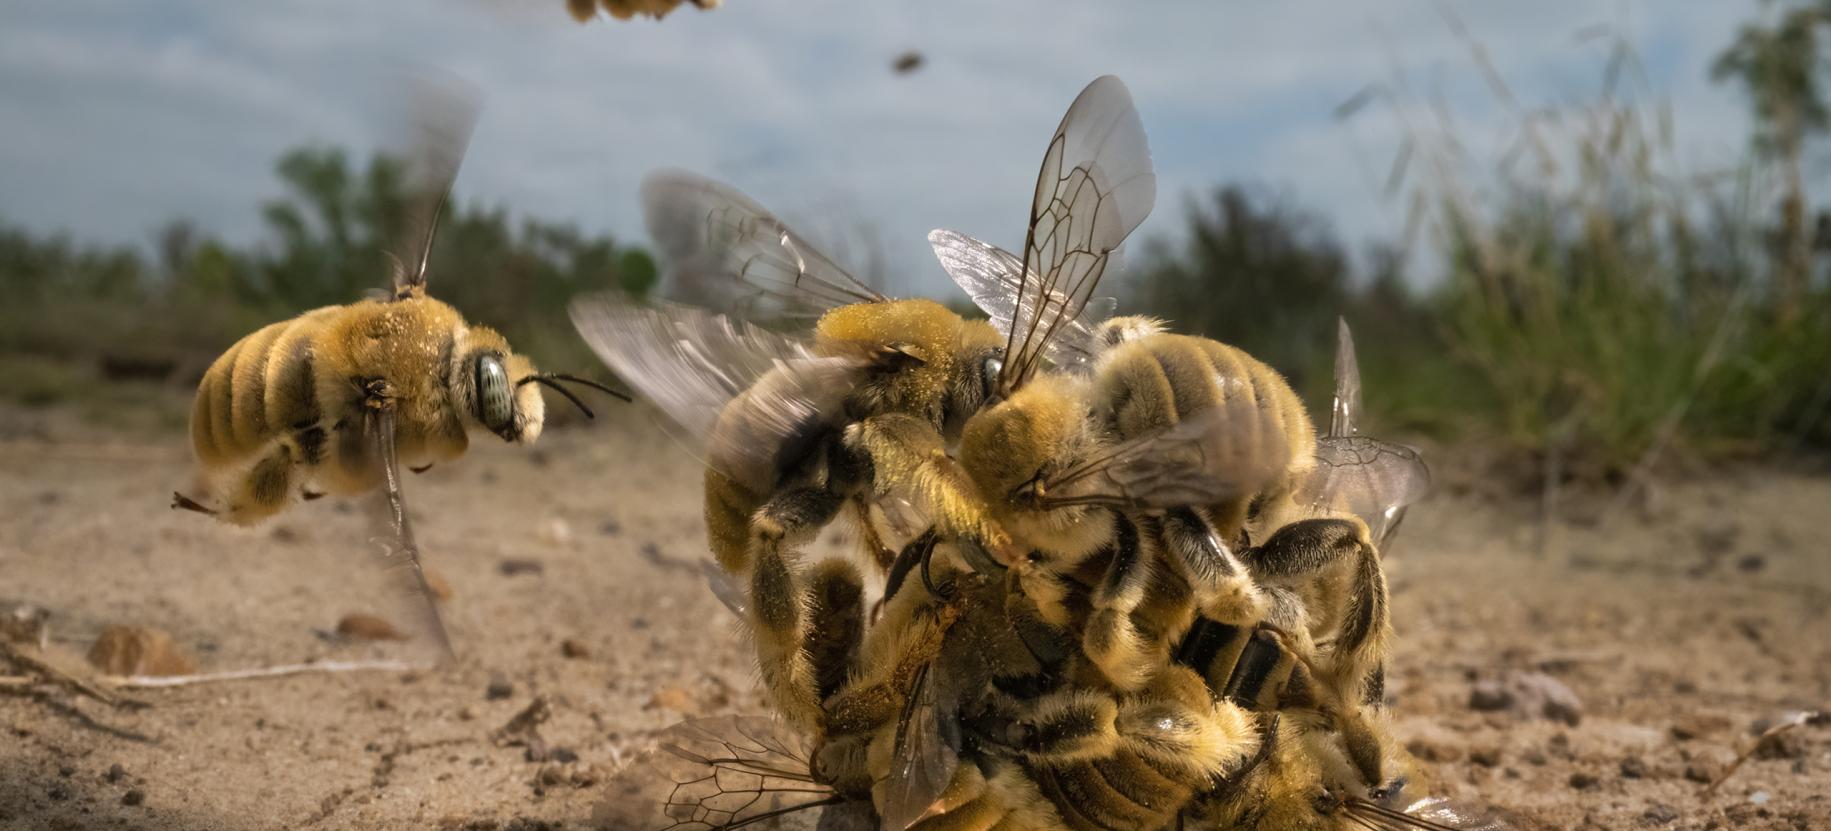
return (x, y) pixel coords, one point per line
(495, 400)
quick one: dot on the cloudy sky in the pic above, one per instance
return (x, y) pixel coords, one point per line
(120, 116)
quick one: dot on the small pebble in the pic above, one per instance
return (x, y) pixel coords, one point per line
(1759, 798)
(66, 771)
(1487, 757)
(1660, 813)
(1489, 696)
(499, 688)
(572, 648)
(115, 772)
(1633, 767)
(513, 566)
(1583, 781)
(133, 797)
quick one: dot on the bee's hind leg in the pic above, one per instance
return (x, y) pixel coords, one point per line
(1224, 588)
(1313, 550)
(780, 605)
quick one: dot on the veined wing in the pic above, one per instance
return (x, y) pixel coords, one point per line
(1372, 479)
(715, 774)
(925, 756)
(735, 255)
(738, 394)
(994, 278)
(1094, 187)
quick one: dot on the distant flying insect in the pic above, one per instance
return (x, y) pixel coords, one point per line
(907, 62)
(335, 401)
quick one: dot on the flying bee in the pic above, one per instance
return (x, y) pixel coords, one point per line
(336, 400)
(862, 412)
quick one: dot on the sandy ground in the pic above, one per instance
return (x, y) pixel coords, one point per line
(1678, 625)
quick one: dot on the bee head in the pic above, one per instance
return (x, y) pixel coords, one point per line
(497, 388)
(489, 388)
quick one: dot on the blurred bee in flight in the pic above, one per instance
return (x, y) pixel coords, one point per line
(337, 400)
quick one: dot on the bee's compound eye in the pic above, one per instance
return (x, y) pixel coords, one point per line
(495, 399)
(988, 372)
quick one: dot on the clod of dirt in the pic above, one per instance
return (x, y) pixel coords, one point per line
(133, 797)
(1487, 757)
(286, 534)
(610, 528)
(26, 625)
(499, 688)
(1532, 694)
(135, 650)
(524, 725)
(513, 566)
(1709, 765)
(572, 648)
(1698, 725)
(364, 627)
(1633, 767)
(1584, 781)
(1659, 813)
(115, 773)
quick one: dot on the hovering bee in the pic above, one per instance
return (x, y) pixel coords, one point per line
(335, 400)
(861, 415)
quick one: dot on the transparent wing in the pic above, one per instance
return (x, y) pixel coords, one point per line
(1429, 814)
(1094, 187)
(1225, 452)
(1369, 478)
(1345, 409)
(442, 111)
(993, 277)
(727, 588)
(729, 252)
(401, 557)
(738, 394)
(714, 773)
(923, 761)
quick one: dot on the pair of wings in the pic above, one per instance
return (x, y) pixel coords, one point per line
(725, 250)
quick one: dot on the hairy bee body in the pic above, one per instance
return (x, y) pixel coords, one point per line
(282, 409)
(1152, 383)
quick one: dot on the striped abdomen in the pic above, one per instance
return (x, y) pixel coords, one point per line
(1153, 383)
(259, 391)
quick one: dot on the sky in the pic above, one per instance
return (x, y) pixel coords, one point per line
(119, 117)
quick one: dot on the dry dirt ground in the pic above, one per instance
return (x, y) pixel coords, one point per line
(1679, 625)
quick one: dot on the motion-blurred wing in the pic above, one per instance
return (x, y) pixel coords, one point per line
(734, 255)
(1095, 186)
(1372, 479)
(740, 395)
(714, 773)
(923, 761)
(1345, 409)
(1428, 814)
(1229, 451)
(993, 277)
(442, 113)
(401, 566)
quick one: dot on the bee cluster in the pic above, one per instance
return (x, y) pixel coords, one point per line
(1109, 576)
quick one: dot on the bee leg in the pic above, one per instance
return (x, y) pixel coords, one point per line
(1059, 728)
(310, 495)
(1178, 726)
(838, 601)
(180, 501)
(1303, 557)
(421, 469)
(779, 603)
(1224, 589)
(1000, 798)
(1112, 638)
(1271, 676)
(902, 452)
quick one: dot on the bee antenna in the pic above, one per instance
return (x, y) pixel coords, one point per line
(546, 381)
(561, 376)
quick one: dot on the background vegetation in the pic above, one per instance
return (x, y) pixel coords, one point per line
(1580, 298)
